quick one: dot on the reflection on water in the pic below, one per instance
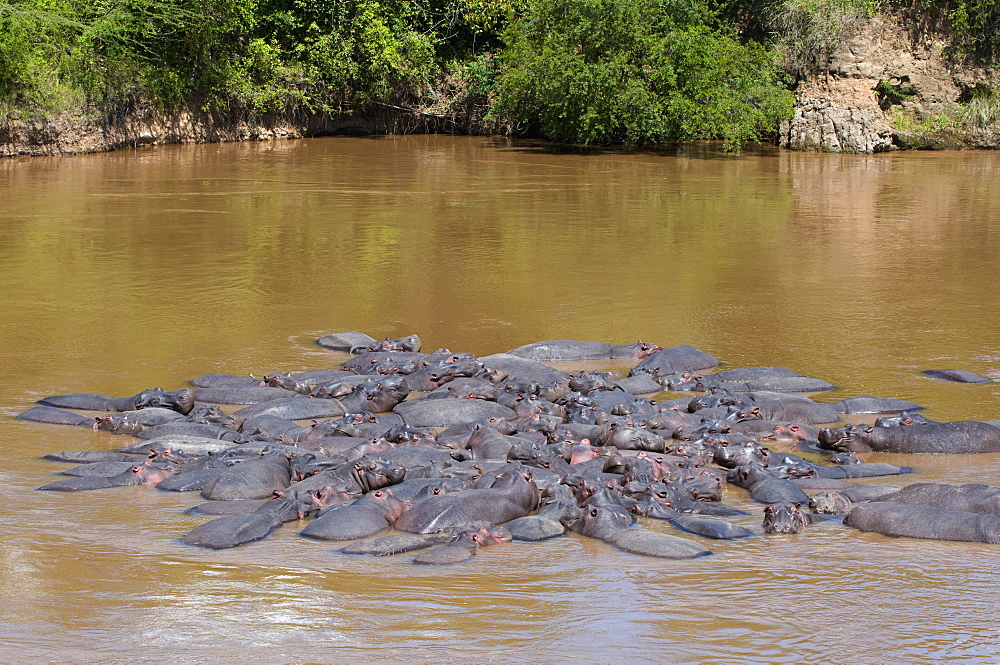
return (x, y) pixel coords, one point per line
(134, 269)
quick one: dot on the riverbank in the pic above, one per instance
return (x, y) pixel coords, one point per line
(885, 80)
(893, 84)
(81, 132)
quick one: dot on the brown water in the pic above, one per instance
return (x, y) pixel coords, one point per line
(130, 270)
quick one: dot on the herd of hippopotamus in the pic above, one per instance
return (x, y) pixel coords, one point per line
(446, 452)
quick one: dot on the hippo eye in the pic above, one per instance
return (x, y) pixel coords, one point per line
(593, 513)
(372, 467)
(136, 469)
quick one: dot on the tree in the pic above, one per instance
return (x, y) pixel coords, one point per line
(636, 72)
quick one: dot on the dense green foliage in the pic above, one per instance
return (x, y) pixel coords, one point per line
(592, 71)
(636, 71)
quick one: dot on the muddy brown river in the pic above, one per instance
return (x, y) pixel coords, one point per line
(130, 270)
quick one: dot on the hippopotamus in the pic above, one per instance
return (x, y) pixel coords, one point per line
(830, 503)
(733, 455)
(959, 437)
(560, 350)
(764, 486)
(88, 456)
(640, 384)
(904, 419)
(212, 379)
(181, 401)
(785, 518)
(185, 428)
(674, 360)
(629, 437)
(614, 526)
(511, 495)
(117, 423)
(286, 381)
(374, 512)
(969, 497)
(444, 413)
(511, 367)
(793, 433)
(55, 416)
(389, 545)
(377, 396)
(253, 479)
(799, 409)
(710, 527)
(469, 387)
(916, 520)
(344, 341)
(868, 404)
(445, 371)
(464, 546)
(237, 394)
(772, 379)
(373, 473)
(410, 343)
(232, 530)
(384, 366)
(139, 474)
(956, 376)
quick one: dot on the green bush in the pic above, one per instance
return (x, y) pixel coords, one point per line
(635, 72)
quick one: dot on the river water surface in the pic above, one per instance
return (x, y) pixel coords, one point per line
(130, 270)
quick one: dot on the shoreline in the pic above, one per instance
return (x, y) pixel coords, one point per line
(77, 132)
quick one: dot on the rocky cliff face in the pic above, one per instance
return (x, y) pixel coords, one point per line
(840, 110)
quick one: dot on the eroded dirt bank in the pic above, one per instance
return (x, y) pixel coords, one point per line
(891, 85)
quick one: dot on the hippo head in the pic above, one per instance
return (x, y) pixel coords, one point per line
(386, 503)
(373, 474)
(603, 522)
(181, 401)
(784, 518)
(846, 439)
(645, 349)
(844, 458)
(741, 414)
(151, 474)
(484, 536)
(746, 476)
(117, 424)
(786, 434)
(703, 487)
(329, 496)
(830, 503)
(788, 467)
(731, 456)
